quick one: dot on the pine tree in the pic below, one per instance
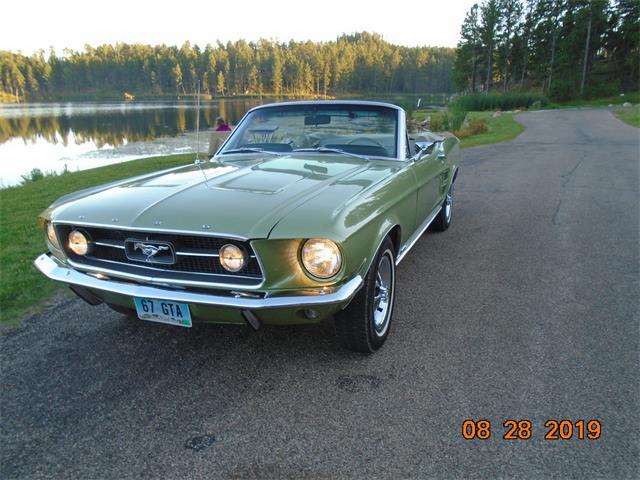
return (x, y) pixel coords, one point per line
(490, 15)
(276, 79)
(177, 78)
(467, 58)
(220, 83)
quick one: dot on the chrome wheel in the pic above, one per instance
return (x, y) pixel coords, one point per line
(448, 205)
(383, 293)
(364, 325)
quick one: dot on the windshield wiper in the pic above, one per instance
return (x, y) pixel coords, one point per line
(250, 150)
(332, 150)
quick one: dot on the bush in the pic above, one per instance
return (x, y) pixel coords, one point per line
(442, 121)
(33, 176)
(604, 89)
(563, 90)
(437, 123)
(456, 118)
(447, 121)
(36, 174)
(475, 127)
(478, 125)
(478, 102)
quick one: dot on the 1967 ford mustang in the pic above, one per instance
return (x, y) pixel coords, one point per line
(302, 214)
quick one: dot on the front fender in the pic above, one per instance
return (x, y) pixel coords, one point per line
(365, 243)
(358, 226)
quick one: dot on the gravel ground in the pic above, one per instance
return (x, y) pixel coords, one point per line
(526, 308)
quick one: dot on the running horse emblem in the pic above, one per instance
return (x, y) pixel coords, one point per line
(149, 251)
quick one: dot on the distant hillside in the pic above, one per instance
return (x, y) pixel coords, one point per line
(357, 63)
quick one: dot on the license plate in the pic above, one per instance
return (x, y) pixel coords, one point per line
(163, 311)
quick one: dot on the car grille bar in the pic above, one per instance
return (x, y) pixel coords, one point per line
(196, 256)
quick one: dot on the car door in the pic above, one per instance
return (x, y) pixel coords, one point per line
(427, 168)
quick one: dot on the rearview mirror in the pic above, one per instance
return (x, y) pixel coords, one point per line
(317, 120)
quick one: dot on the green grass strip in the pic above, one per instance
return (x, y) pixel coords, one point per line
(630, 115)
(22, 240)
(500, 129)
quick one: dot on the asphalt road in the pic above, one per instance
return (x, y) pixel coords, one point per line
(526, 308)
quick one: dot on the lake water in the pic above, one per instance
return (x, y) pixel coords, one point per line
(77, 136)
(80, 135)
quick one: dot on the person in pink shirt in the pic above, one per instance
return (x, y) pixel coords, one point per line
(222, 125)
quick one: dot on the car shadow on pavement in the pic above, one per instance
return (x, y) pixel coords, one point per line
(97, 356)
(74, 373)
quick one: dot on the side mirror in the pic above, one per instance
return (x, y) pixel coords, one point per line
(442, 155)
(424, 147)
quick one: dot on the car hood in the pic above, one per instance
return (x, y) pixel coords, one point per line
(244, 199)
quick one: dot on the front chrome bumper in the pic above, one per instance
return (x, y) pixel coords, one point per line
(307, 298)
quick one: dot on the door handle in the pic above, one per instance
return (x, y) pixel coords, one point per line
(442, 156)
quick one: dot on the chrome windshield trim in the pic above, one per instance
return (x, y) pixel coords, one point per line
(401, 136)
(200, 233)
(417, 234)
(321, 296)
(156, 278)
(311, 103)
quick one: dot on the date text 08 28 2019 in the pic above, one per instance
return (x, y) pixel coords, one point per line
(522, 429)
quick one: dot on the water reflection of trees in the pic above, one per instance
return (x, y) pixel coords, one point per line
(117, 127)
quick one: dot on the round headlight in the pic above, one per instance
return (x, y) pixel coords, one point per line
(78, 242)
(232, 258)
(321, 258)
(52, 237)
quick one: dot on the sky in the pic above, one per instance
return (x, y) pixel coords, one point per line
(30, 25)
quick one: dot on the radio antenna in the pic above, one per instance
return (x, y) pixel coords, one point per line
(198, 122)
(197, 161)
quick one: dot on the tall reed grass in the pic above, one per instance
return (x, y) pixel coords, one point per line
(478, 102)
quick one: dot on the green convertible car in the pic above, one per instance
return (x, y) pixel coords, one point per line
(303, 213)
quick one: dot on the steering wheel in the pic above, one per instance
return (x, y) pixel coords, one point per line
(375, 143)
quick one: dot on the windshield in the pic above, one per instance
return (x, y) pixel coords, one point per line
(366, 130)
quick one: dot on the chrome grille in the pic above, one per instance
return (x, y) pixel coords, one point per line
(196, 256)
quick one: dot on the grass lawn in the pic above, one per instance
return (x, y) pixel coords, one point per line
(500, 129)
(505, 127)
(420, 115)
(22, 240)
(629, 115)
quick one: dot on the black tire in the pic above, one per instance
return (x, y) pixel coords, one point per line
(445, 216)
(129, 312)
(363, 326)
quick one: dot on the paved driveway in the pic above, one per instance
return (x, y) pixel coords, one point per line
(527, 308)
